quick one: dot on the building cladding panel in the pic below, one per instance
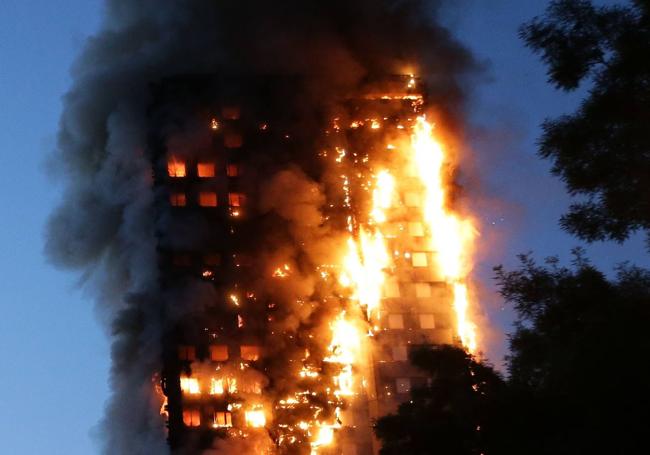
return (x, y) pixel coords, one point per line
(207, 202)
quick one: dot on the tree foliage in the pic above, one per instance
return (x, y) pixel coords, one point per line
(579, 356)
(602, 151)
(452, 415)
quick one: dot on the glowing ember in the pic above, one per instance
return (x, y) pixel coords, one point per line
(207, 274)
(412, 82)
(308, 372)
(340, 154)
(282, 272)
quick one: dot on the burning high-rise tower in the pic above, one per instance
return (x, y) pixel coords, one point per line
(270, 212)
(239, 363)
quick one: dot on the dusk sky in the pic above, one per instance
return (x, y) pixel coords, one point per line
(54, 380)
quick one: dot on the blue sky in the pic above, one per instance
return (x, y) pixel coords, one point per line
(53, 381)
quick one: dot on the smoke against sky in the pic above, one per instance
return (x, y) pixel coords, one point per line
(106, 226)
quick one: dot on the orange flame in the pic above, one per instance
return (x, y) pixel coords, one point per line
(255, 417)
(190, 385)
(450, 236)
(344, 348)
(364, 266)
(282, 272)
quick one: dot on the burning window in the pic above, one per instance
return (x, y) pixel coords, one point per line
(187, 353)
(233, 170)
(400, 354)
(205, 170)
(220, 385)
(251, 353)
(395, 321)
(216, 386)
(236, 199)
(176, 168)
(231, 112)
(253, 387)
(420, 260)
(207, 274)
(192, 417)
(222, 420)
(427, 321)
(391, 289)
(416, 229)
(255, 418)
(207, 199)
(403, 385)
(178, 199)
(233, 141)
(219, 353)
(422, 290)
(190, 385)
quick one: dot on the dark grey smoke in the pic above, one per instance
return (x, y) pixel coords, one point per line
(106, 224)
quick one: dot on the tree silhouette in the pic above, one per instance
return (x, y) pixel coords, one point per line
(602, 151)
(578, 373)
(452, 415)
(579, 356)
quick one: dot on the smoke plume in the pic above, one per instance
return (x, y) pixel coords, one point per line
(110, 226)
